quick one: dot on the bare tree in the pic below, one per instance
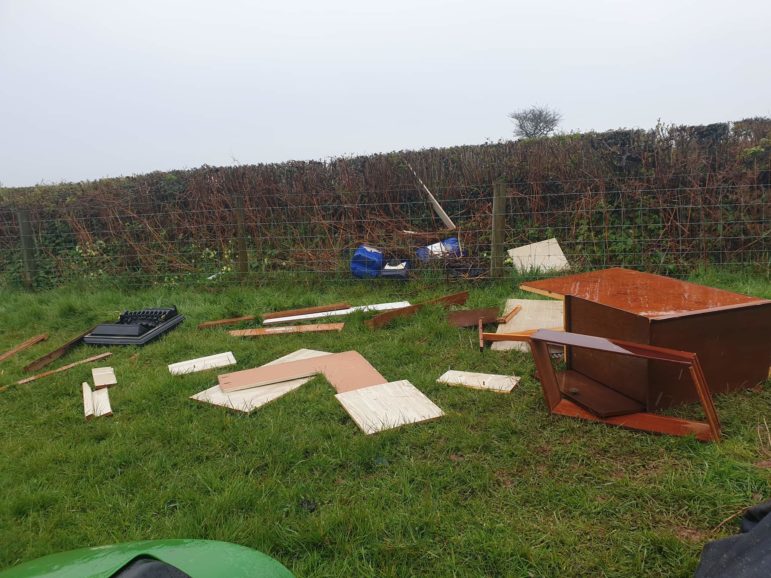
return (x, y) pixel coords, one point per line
(535, 121)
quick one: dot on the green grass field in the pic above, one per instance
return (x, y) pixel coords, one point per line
(495, 488)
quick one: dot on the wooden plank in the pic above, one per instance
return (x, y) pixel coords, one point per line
(488, 381)
(434, 203)
(63, 368)
(387, 406)
(203, 363)
(338, 312)
(345, 372)
(57, 353)
(471, 317)
(24, 345)
(510, 315)
(88, 401)
(101, 399)
(248, 400)
(542, 256)
(595, 396)
(383, 319)
(231, 321)
(103, 377)
(533, 314)
(320, 327)
(305, 311)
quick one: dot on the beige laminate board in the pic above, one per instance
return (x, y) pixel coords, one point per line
(542, 256)
(489, 381)
(88, 401)
(247, 400)
(535, 314)
(387, 406)
(103, 377)
(345, 372)
(95, 403)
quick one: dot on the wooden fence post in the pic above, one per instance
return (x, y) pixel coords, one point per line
(498, 225)
(242, 259)
(27, 248)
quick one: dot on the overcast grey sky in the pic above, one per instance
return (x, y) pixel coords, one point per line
(94, 88)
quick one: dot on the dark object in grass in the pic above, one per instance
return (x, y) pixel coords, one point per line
(56, 353)
(470, 317)
(747, 555)
(135, 327)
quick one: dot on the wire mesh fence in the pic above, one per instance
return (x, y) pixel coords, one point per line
(675, 205)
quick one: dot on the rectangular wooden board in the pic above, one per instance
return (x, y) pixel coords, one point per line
(230, 321)
(88, 400)
(203, 363)
(56, 353)
(534, 314)
(306, 311)
(248, 400)
(488, 381)
(101, 399)
(103, 377)
(339, 312)
(308, 328)
(387, 406)
(542, 256)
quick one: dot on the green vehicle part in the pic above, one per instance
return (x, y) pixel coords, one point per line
(154, 559)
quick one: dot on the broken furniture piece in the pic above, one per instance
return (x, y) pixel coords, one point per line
(306, 328)
(533, 314)
(230, 321)
(730, 333)
(485, 316)
(58, 369)
(383, 319)
(202, 363)
(542, 256)
(388, 405)
(95, 403)
(574, 394)
(247, 400)
(135, 327)
(23, 345)
(488, 381)
(103, 377)
(56, 353)
(305, 311)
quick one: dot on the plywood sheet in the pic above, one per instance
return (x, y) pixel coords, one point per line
(535, 314)
(307, 328)
(103, 377)
(542, 256)
(345, 372)
(248, 400)
(387, 406)
(101, 399)
(489, 381)
(203, 363)
(640, 293)
(363, 308)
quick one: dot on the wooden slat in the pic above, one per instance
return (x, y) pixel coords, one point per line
(290, 329)
(488, 381)
(231, 321)
(383, 319)
(88, 400)
(470, 317)
(58, 369)
(306, 310)
(57, 353)
(24, 345)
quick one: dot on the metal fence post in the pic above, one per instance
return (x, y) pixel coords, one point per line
(242, 259)
(27, 248)
(498, 225)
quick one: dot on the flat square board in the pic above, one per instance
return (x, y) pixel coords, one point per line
(387, 406)
(103, 377)
(542, 256)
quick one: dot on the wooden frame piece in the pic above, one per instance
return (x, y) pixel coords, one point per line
(58, 369)
(305, 311)
(539, 343)
(384, 319)
(24, 345)
(57, 353)
(307, 328)
(231, 321)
